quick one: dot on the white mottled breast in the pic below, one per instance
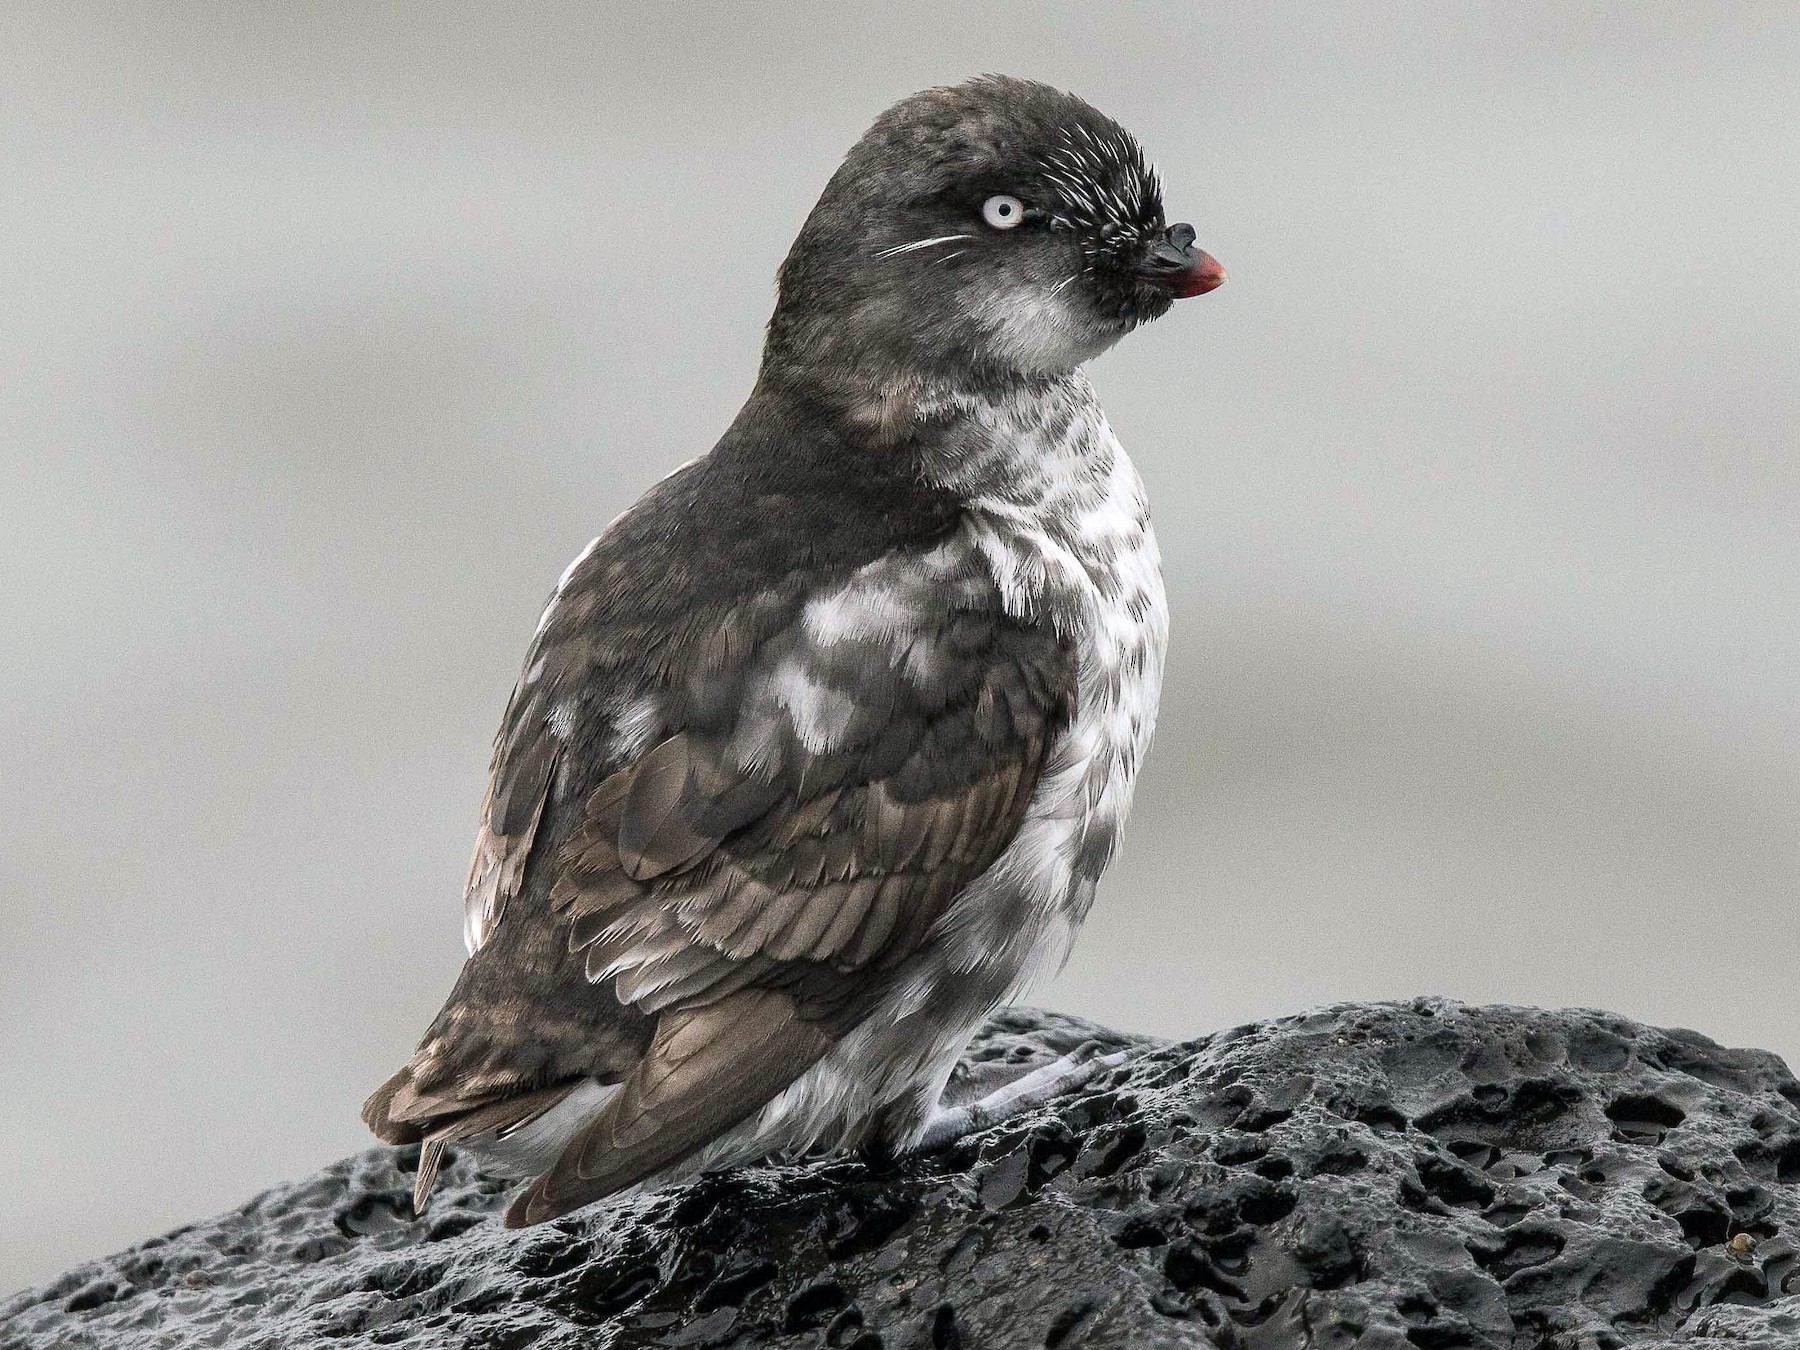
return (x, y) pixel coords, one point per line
(1059, 515)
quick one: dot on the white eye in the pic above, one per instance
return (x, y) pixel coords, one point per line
(1003, 212)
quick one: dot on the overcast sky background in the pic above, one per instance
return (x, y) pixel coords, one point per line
(329, 334)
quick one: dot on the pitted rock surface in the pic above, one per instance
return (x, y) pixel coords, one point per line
(1376, 1177)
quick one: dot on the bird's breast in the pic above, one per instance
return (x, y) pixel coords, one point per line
(1062, 523)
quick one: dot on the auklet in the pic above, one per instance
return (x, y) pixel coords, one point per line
(820, 749)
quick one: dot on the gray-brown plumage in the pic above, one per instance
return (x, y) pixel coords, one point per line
(820, 748)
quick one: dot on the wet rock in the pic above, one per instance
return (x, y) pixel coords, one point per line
(1364, 1177)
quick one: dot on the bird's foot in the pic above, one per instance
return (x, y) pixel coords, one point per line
(1025, 1093)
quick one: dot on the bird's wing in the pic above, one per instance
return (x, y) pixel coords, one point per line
(748, 883)
(826, 833)
(802, 782)
(709, 1068)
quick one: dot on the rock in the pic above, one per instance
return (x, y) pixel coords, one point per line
(1383, 1177)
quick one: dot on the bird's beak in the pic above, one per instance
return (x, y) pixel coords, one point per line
(1174, 265)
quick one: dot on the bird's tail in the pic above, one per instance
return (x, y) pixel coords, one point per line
(399, 1113)
(378, 1111)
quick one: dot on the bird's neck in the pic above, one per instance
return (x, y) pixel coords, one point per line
(889, 405)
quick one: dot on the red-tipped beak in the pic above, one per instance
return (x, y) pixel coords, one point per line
(1202, 275)
(1179, 268)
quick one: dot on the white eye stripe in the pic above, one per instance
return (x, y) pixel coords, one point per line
(1003, 212)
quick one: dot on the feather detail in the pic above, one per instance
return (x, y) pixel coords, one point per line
(431, 1156)
(509, 823)
(707, 1070)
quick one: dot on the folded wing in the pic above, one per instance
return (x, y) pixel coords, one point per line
(813, 775)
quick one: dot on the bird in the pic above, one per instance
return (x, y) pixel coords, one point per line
(820, 749)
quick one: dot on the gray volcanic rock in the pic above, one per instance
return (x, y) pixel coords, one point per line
(1374, 1176)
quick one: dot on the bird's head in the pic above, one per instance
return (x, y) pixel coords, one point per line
(999, 226)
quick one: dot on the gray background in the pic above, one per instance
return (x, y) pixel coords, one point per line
(328, 336)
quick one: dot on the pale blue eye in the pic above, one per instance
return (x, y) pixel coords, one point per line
(1003, 212)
